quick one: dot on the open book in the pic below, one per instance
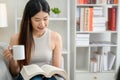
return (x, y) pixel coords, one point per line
(32, 70)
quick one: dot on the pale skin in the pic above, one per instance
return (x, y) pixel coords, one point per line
(39, 22)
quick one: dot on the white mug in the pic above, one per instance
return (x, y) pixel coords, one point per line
(18, 52)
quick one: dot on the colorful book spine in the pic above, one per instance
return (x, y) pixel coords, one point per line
(112, 19)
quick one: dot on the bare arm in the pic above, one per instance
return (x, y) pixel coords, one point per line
(57, 51)
(13, 64)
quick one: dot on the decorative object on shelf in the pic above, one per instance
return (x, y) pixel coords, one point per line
(3, 15)
(56, 11)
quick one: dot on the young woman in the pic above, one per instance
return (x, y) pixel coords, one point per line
(42, 45)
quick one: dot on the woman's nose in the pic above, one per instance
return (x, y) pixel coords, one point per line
(41, 23)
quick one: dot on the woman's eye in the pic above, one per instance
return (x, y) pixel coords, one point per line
(37, 20)
(45, 19)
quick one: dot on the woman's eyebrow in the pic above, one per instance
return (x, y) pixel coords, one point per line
(42, 18)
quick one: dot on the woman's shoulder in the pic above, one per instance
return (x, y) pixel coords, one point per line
(55, 35)
(56, 40)
(15, 36)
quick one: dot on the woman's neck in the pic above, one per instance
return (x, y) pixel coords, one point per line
(38, 34)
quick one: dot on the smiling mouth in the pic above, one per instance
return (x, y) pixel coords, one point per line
(40, 28)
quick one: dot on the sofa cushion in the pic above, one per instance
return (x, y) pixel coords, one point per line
(4, 71)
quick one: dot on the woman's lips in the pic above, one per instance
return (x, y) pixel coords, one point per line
(40, 28)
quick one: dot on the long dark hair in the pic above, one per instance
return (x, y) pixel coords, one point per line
(25, 36)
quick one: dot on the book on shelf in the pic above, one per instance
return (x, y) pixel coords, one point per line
(89, 1)
(91, 19)
(99, 22)
(82, 39)
(78, 19)
(80, 1)
(93, 65)
(97, 1)
(112, 1)
(81, 19)
(105, 61)
(96, 60)
(111, 60)
(112, 12)
(102, 59)
(115, 1)
(98, 56)
(102, 43)
(86, 19)
(86, 12)
(32, 70)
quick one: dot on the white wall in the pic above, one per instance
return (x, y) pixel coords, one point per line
(6, 33)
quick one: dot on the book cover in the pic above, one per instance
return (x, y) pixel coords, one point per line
(115, 1)
(112, 19)
(105, 61)
(93, 65)
(99, 59)
(80, 1)
(86, 12)
(90, 21)
(82, 18)
(78, 19)
(32, 70)
(111, 60)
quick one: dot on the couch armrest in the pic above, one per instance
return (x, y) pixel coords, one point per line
(4, 71)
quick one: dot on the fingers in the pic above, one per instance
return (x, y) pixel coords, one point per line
(10, 48)
(8, 54)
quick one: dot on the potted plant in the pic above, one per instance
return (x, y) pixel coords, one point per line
(56, 10)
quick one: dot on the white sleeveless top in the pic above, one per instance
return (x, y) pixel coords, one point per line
(43, 52)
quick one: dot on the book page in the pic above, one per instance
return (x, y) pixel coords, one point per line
(31, 70)
(51, 70)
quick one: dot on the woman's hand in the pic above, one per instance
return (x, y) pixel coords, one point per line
(8, 54)
(13, 64)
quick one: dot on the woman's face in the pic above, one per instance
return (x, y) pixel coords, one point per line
(40, 22)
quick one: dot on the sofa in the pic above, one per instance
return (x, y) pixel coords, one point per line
(4, 71)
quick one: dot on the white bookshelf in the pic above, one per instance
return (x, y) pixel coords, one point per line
(61, 24)
(102, 41)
